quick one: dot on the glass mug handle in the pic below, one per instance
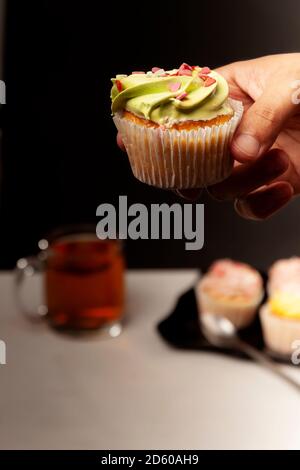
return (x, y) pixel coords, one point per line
(28, 286)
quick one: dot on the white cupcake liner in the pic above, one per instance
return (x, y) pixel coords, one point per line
(241, 314)
(279, 332)
(168, 158)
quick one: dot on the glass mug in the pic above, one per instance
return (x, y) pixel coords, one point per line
(82, 282)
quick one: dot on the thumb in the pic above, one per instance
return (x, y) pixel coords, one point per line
(262, 123)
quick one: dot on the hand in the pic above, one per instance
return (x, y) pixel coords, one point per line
(267, 179)
(266, 145)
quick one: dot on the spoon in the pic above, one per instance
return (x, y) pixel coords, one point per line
(221, 332)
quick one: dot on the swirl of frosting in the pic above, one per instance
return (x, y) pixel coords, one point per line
(166, 97)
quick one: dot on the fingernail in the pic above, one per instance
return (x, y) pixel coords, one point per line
(262, 205)
(242, 208)
(258, 210)
(247, 145)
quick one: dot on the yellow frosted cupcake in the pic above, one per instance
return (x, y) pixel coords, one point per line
(176, 125)
(280, 316)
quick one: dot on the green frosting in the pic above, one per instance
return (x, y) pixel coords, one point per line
(154, 96)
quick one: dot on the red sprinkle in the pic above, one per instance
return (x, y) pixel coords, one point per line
(205, 70)
(182, 96)
(119, 85)
(155, 69)
(209, 81)
(174, 86)
(135, 73)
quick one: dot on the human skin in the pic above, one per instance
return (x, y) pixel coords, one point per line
(266, 146)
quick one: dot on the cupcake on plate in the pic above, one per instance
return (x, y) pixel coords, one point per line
(230, 289)
(176, 125)
(280, 316)
(284, 274)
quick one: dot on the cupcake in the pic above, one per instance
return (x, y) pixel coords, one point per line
(230, 289)
(176, 125)
(284, 274)
(280, 316)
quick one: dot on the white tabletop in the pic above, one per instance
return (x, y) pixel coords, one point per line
(134, 391)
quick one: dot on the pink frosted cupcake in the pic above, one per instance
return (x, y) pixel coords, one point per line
(230, 289)
(176, 125)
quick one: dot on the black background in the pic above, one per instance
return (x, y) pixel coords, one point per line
(59, 157)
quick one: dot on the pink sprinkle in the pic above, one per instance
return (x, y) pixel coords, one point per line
(185, 66)
(237, 264)
(119, 85)
(164, 75)
(203, 76)
(155, 69)
(205, 70)
(219, 271)
(135, 73)
(185, 69)
(209, 81)
(182, 96)
(185, 72)
(174, 86)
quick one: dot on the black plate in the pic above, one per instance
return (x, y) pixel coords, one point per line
(181, 329)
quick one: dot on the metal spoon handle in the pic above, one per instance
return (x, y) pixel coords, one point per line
(265, 361)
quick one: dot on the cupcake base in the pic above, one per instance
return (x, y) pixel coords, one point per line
(279, 332)
(240, 314)
(179, 159)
